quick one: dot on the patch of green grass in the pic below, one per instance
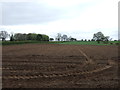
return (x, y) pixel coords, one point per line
(21, 42)
(89, 43)
(0, 42)
(59, 42)
(28, 42)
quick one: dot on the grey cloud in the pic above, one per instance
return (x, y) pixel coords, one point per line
(28, 13)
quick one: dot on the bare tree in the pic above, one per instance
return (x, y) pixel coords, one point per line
(64, 37)
(58, 37)
(3, 35)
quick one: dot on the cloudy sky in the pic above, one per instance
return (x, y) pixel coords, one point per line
(77, 18)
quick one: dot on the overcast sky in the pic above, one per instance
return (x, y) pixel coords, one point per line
(77, 18)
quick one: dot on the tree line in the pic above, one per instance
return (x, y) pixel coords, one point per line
(29, 36)
(23, 36)
(64, 37)
(99, 37)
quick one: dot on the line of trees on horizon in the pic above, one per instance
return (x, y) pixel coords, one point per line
(29, 36)
(23, 36)
(64, 37)
(99, 36)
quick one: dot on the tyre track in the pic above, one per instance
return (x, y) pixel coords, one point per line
(56, 75)
(88, 60)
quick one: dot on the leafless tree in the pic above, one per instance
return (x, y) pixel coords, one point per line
(58, 37)
(3, 35)
(64, 37)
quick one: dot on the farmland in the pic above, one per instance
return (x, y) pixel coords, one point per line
(59, 66)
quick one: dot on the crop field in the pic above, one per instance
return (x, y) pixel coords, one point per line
(59, 66)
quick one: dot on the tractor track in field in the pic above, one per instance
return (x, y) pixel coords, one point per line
(59, 66)
(56, 75)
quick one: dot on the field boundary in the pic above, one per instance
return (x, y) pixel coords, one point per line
(4, 43)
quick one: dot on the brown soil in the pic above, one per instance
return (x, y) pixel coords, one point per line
(59, 66)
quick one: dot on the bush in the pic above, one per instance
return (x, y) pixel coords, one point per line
(105, 42)
(111, 43)
(117, 43)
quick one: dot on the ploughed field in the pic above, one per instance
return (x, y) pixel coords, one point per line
(59, 66)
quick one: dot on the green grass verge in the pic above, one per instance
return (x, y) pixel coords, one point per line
(20, 42)
(59, 42)
(28, 42)
(90, 43)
